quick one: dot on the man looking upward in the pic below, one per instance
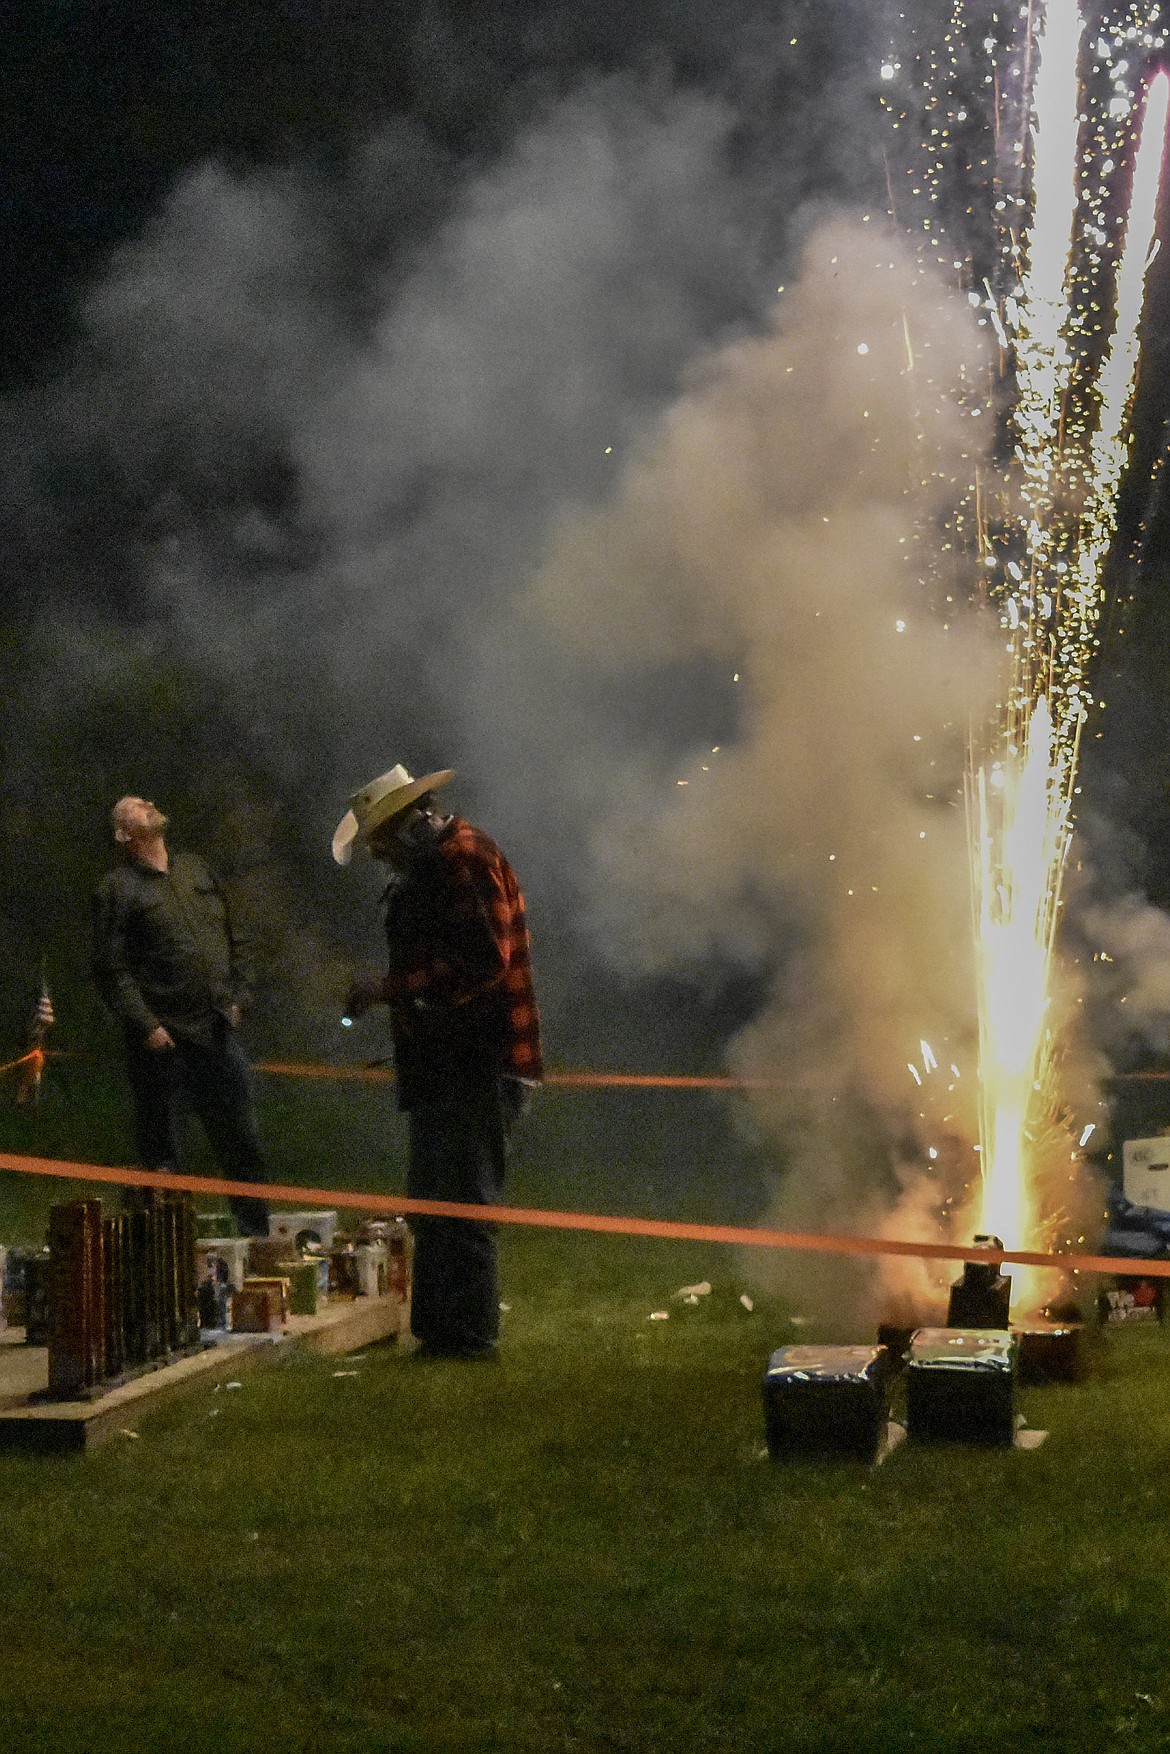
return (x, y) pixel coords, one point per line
(170, 964)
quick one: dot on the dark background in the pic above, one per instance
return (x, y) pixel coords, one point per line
(108, 107)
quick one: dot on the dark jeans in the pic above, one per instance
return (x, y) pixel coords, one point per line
(213, 1081)
(458, 1151)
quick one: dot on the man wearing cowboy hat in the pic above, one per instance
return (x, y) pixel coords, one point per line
(466, 1035)
(170, 964)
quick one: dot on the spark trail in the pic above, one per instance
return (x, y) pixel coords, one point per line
(1068, 109)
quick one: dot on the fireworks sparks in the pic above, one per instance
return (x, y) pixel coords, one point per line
(1032, 141)
(1020, 834)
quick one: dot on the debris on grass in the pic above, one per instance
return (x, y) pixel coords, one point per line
(747, 1302)
(347, 1373)
(506, 1307)
(233, 1385)
(658, 1315)
(692, 1293)
(126, 1432)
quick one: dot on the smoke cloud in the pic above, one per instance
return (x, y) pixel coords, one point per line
(817, 836)
(530, 470)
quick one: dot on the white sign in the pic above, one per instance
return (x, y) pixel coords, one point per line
(1145, 1165)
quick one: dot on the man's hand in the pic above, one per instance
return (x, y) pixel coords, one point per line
(159, 1041)
(367, 990)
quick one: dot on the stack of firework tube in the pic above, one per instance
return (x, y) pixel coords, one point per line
(121, 1289)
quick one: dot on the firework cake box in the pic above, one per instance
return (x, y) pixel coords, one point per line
(827, 1400)
(961, 1385)
(294, 1230)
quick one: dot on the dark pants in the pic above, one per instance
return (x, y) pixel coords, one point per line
(458, 1150)
(213, 1081)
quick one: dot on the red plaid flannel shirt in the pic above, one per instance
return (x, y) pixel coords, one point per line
(459, 983)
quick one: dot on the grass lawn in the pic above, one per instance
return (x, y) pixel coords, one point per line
(581, 1546)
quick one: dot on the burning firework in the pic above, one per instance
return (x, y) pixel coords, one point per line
(1045, 116)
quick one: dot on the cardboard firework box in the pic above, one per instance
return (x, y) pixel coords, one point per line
(185, 1291)
(36, 1299)
(399, 1260)
(827, 1400)
(223, 1259)
(305, 1292)
(295, 1230)
(160, 1302)
(961, 1384)
(77, 1304)
(1049, 1351)
(114, 1233)
(143, 1284)
(257, 1309)
(277, 1283)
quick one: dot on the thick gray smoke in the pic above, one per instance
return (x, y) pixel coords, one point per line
(567, 496)
(768, 527)
(304, 502)
(1130, 953)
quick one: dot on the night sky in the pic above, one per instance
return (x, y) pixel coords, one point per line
(107, 105)
(289, 167)
(410, 382)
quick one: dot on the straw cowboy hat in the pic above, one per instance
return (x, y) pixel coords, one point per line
(380, 801)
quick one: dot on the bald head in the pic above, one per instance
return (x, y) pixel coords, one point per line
(137, 825)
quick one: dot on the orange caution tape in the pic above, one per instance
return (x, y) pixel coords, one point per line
(378, 1074)
(668, 1229)
(33, 1065)
(34, 1057)
(564, 1080)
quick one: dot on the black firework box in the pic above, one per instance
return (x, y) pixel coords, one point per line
(961, 1385)
(1049, 1351)
(827, 1400)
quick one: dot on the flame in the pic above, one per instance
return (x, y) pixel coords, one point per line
(1044, 527)
(1021, 822)
(1021, 836)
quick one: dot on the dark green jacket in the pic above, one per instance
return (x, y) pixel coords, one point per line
(166, 949)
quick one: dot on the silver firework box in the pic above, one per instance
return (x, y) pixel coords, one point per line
(961, 1385)
(826, 1400)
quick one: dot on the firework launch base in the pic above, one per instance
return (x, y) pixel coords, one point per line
(961, 1386)
(1050, 1351)
(827, 1400)
(34, 1425)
